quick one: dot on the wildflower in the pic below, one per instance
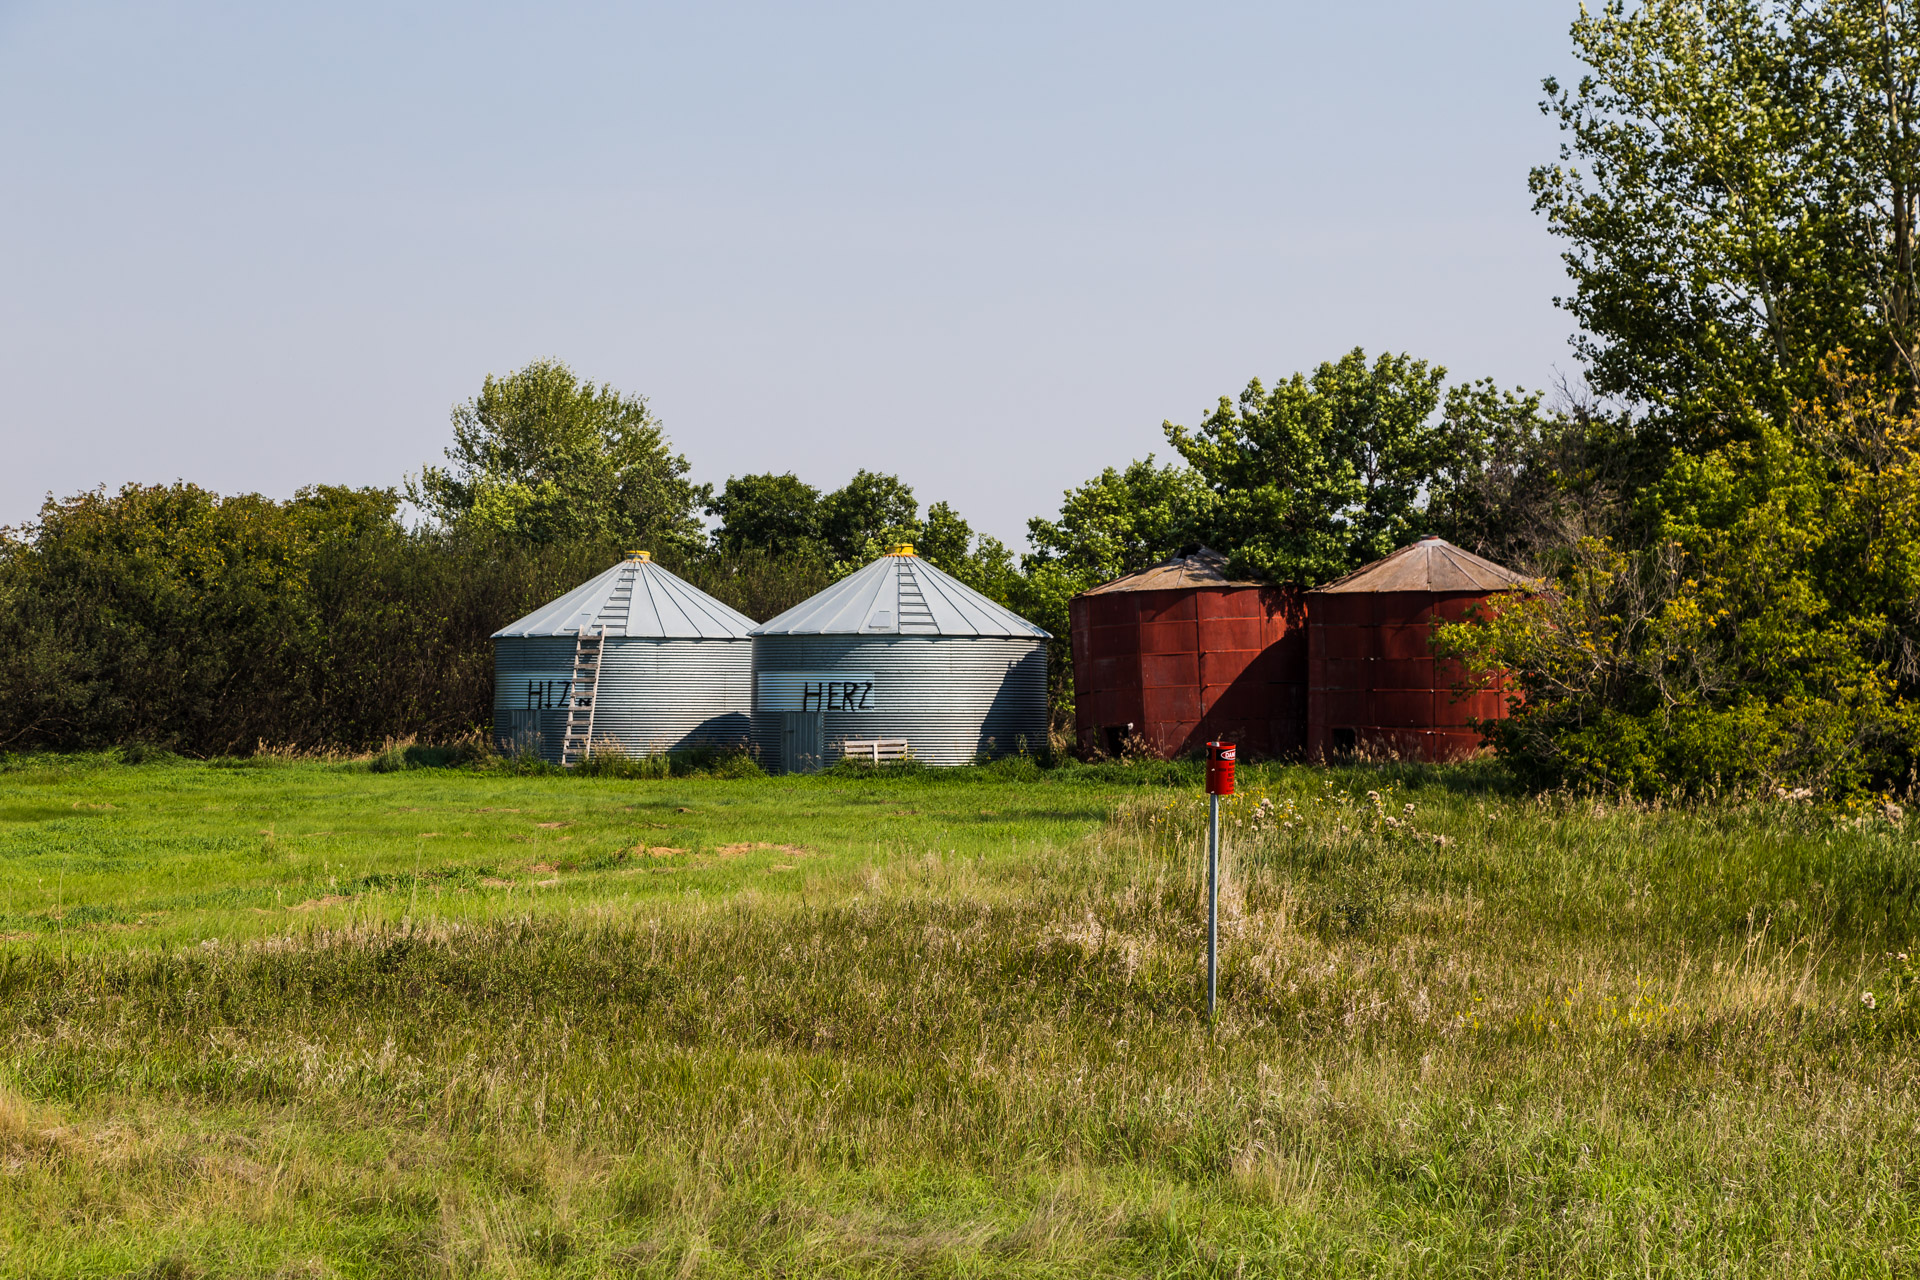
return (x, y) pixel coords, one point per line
(1407, 808)
(1869, 1001)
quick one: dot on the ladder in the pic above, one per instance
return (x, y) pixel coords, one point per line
(577, 745)
(912, 603)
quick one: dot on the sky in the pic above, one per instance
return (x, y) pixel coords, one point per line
(988, 247)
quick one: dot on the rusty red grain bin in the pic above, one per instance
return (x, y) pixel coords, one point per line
(1179, 653)
(1373, 683)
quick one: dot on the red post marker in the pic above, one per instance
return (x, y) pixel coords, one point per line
(1220, 756)
(1219, 783)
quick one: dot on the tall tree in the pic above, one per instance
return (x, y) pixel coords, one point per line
(1737, 192)
(541, 456)
(868, 511)
(1329, 470)
(1121, 520)
(777, 515)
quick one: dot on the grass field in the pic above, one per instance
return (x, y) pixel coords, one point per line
(308, 1020)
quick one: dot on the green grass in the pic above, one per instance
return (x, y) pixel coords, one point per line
(309, 1020)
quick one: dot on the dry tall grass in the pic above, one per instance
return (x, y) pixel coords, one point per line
(1459, 1035)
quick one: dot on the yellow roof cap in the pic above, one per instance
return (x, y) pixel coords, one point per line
(901, 549)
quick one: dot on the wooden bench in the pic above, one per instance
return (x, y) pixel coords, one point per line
(876, 749)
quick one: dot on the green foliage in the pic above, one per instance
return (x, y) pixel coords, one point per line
(175, 618)
(472, 752)
(1120, 521)
(777, 516)
(607, 761)
(1737, 191)
(541, 457)
(1329, 471)
(870, 511)
(1764, 639)
(784, 521)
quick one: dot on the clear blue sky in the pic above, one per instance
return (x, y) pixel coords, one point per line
(988, 247)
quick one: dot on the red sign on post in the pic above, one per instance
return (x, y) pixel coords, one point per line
(1220, 768)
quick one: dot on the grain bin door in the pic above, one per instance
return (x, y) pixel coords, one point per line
(803, 741)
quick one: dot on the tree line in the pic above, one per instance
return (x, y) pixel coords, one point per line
(1725, 505)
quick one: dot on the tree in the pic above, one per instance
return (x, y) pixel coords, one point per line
(1765, 635)
(868, 512)
(777, 515)
(542, 457)
(1328, 471)
(1738, 194)
(1119, 521)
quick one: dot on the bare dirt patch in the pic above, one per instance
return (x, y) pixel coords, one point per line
(754, 846)
(316, 904)
(552, 826)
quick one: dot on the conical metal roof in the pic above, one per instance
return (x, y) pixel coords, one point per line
(1431, 564)
(635, 598)
(1204, 567)
(899, 595)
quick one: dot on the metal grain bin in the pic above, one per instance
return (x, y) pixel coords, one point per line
(898, 651)
(1179, 654)
(1373, 683)
(674, 668)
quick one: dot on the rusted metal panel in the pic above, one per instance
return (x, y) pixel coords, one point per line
(1174, 704)
(1222, 668)
(1339, 611)
(1350, 642)
(1192, 663)
(1394, 640)
(1110, 611)
(1233, 633)
(1374, 684)
(1402, 673)
(1346, 673)
(1403, 708)
(1401, 608)
(1167, 606)
(1169, 670)
(1169, 637)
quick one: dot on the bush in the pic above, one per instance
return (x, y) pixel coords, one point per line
(467, 752)
(609, 761)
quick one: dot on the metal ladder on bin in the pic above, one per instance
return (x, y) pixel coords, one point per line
(577, 745)
(912, 603)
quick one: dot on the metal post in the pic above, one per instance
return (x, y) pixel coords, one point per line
(1213, 900)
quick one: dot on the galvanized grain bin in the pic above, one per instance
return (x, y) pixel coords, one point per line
(1373, 683)
(1178, 654)
(898, 653)
(635, 658)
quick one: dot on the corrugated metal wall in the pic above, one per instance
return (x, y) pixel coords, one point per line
(667, 695)
(531, 719)
(654, 695)
(951, 697)
(1373, 682)
(1191, 665)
